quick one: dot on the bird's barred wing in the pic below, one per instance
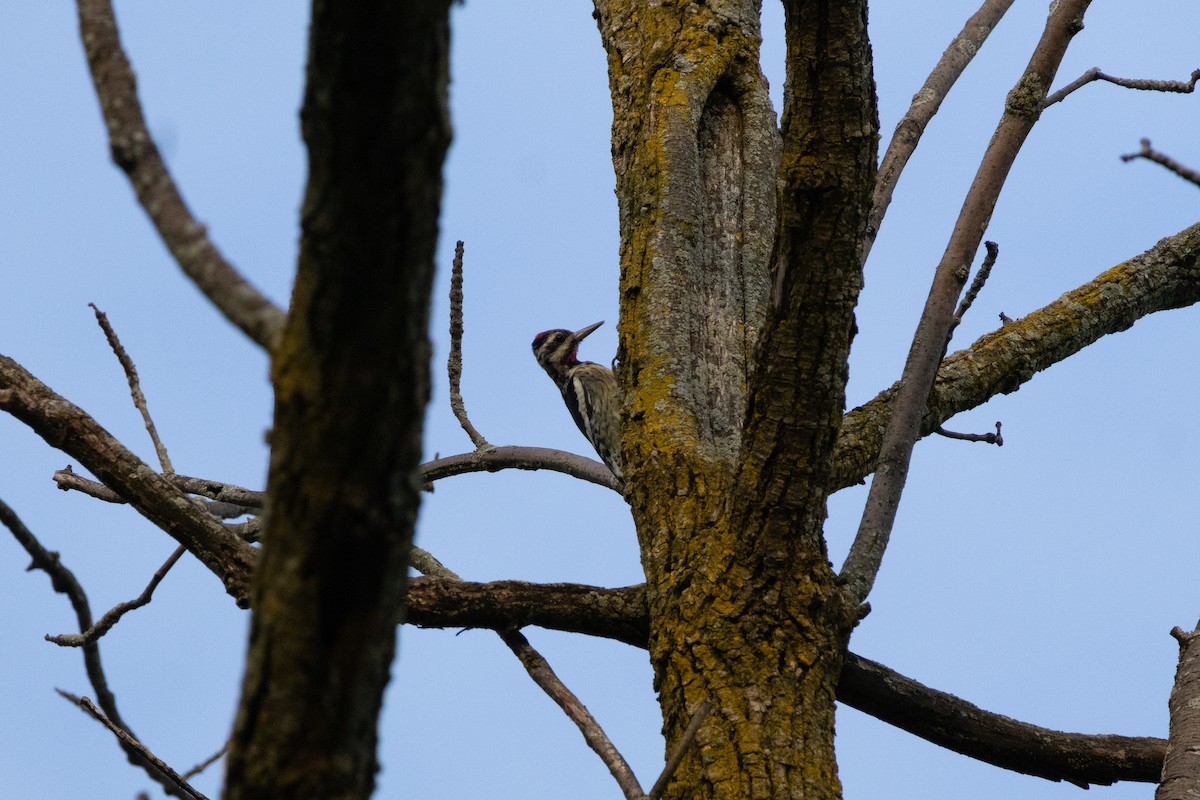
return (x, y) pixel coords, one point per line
(575, 395)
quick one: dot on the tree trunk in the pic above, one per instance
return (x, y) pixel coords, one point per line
(727, 439)
(351, 380)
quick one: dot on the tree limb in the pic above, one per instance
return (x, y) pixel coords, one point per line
(1022, 110)
(868, 686)
(529, 458)
(1164, 277)
(134, 151)
(69, 428)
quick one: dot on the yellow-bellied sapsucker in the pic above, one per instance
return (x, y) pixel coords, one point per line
(589, 390)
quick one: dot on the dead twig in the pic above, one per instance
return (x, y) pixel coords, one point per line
(1145, 84)
(128, 741)
(228, 500)
(206, 763)
(989, 438)
(454, 364)
(985, 270)
(64, 582)
(541, 673)
(1150, 154)
(113, 615)
(135, 387)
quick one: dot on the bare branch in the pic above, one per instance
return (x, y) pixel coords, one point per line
(221, 492)
(442, 601)
(1164, 277)
(925, 104)
(868, 686)
(681, 748)
(208, 762)
(1094, 74)
(1150, 154)
(135, 387)
(530, 458)
(134, 151)
(67, 479)
(1021, 112)
(539, 669)
(64, 582)
(963, 727)
(541, 673)
(105, 623)
(454, 365)
(129, 741)
(69, 428)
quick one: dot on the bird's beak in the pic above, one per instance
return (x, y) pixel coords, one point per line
(582, 333)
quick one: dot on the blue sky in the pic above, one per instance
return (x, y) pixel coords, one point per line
(1039, 580)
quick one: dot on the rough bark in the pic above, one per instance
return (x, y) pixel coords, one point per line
(742, 611)
(351, 382)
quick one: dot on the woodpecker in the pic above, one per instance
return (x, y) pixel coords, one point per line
(589, 390)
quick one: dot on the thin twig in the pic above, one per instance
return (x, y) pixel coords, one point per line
(989, 438)
(228, 500)
(135, 387)
(131, 742)
(64, 582)
(454, 365)
(1145, 84)
(1021, 112)
(134, 151)
(541, 673)
(105, 623)
(208, 762)
(680, 750)
(1150, 154)
(925, 105)
(67, 480)
(985, 269)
